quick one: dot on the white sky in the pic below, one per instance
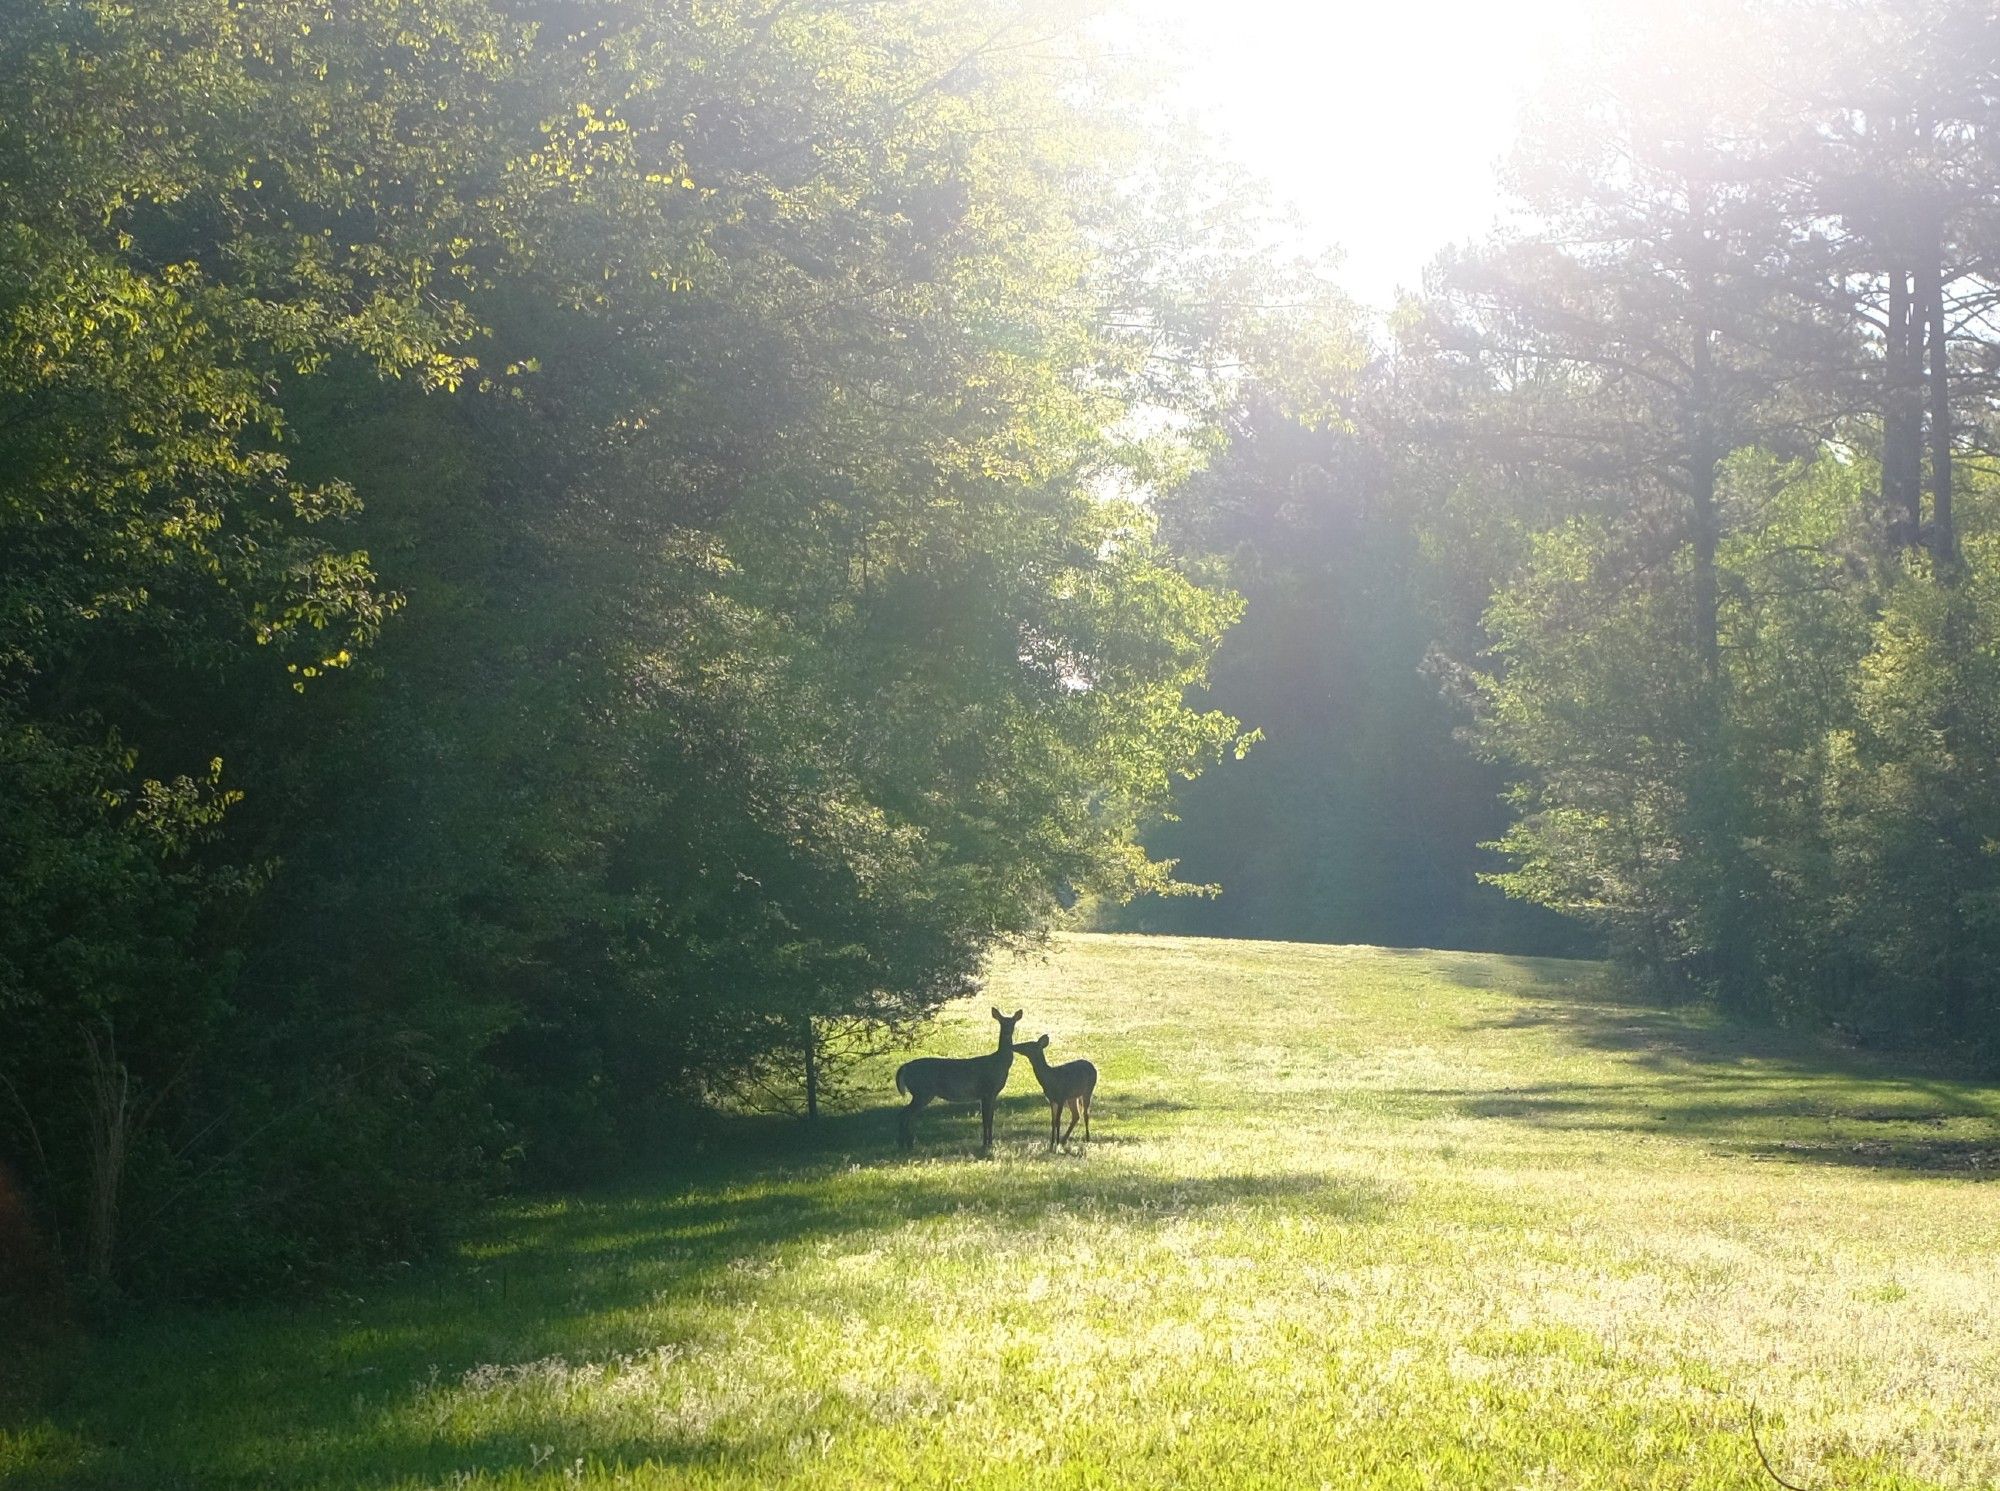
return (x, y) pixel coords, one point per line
(1380, 122)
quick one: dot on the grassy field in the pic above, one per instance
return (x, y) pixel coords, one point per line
(1354, 1217)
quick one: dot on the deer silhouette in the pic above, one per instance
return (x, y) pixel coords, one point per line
(1067, 1086)
(957, 1079)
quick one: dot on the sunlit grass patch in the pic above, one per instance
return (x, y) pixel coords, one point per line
(1357, 1217)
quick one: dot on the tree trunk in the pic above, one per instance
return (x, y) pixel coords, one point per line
(1943, 532)
(111, 1120)
(1702, 522)
(1710, 801)
(1902, 415)
(812, 1069)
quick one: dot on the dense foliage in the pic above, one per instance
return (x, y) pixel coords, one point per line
(557, 560)
(1719, 413)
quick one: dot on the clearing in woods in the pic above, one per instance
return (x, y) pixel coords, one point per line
(1354, 1217)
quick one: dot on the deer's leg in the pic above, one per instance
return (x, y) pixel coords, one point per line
(1086, 1118)
(986, 1122)
(906, 1122)
(1074, 1110)
(1055, 1111)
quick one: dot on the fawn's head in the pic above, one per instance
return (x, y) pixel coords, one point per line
(1035, 1048)
(1007, 1024)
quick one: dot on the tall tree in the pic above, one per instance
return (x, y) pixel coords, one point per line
(1620, 350)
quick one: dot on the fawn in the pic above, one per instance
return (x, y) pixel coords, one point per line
(957, 1079)
(1067, 1086)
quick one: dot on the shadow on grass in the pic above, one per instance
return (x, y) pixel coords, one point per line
(1773, 1120)
(1741, 1090)
(1590, 1005)
(335, 1394)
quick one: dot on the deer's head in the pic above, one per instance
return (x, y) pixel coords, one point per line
(1007, 1024)
(1039, 1046)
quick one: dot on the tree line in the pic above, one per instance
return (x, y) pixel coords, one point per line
(562, 562)
(1724, 421)
(1679, 491)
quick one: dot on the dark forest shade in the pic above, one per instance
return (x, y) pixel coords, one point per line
(1360, 815)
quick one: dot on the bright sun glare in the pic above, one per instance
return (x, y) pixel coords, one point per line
(1381, 122)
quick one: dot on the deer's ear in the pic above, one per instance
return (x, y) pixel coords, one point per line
(996, 1013)
(1019, 1013)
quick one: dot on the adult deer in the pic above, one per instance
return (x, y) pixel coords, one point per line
(1067, 1086)
(957, 1079)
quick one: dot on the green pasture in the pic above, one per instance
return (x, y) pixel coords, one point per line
(1354, 1217)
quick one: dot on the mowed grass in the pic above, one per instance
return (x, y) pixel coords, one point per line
(1353, 1217)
